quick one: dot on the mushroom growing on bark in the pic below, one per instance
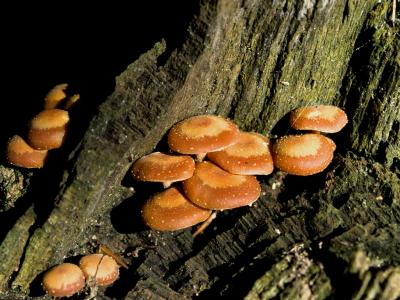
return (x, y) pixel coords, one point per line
(324, 118)
(20, 154)
(102, 268)
(303, 155)
(63, 280)
(213, 188)
(165, 168)
(171, 210)
(202, 134)
(250, 155)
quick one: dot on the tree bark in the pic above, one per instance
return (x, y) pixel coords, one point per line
(306, 237)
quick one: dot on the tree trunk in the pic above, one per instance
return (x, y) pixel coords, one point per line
(328, 235)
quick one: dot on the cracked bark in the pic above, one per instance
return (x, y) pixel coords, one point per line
(253, 62)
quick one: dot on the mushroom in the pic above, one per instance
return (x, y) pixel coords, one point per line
(160, 167)
(202, 134)
(170, 210)
(250, 155)
(55, 96)
(213, 188)
(102, 268)
(63, 280)
(47, 129)
(324, 118)
(20, 154)
(303, 155)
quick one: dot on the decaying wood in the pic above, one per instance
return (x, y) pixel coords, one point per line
(253, 62)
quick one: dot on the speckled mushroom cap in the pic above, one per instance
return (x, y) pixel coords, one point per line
(63, 280)
(303, 155)
(102, 267)
(213, 188)
(55, 96)
(202, 134)
(160, 167)
(20, 154)
(47, 129)
(250, 155)
(171, 210)
(324, 118)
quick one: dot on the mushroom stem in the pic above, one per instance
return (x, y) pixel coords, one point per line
(167, 184)
(205, 224)
(71, 101)
(200, 157)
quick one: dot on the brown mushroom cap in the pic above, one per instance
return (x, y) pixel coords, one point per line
(160, 167)
(303, 155)
(213, 188)
(102, 267)
(63, 280)
(55, 96)
(170, 210)
(47, 129)
(324, 118)
(202, 134)
(20, 154)
(250, 155)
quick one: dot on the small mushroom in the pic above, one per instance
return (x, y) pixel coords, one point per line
(250, 155)
(102, 268)
(20, 154)
(170, 210)
(55, 96)
(165, 168)
(47, 129)
(303, 155)
(63, 280)
(324, 118)
(202, 134)
(213, 188)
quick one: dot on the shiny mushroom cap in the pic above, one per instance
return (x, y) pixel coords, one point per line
(55, 96)
(160, 167)
(202, 134)
(170, 210)
(250, 155)
(20, 154)
(103, 268)
(63, 280)
(47, 129)
(324, 118)
(303, 155)
(213, 188)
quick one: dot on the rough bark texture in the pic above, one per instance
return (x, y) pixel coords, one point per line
(306, 237)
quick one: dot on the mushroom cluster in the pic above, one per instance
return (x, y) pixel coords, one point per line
(226, 179)
(66, 279)
(46, 131)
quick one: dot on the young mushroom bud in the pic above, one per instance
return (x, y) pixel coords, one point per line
(303, 155)
(324, 118)
(63, 280)
(202, 134)
(251, 155)
(20, 154)
(160, 167)
(102, 268)
(47, 129)
(55, 96)
(213, 188)
(170, 210)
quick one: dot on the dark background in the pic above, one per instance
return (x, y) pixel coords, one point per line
(85, 46)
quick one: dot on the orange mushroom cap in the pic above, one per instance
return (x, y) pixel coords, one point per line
(47, 129)
(250, 155)
(303, 155)
(63, 280)
(55, 96)
(213, 188)
(202, 134)
(160, 167)
(324, 118)
(170, 210)
(20, 154)
(102, 267)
